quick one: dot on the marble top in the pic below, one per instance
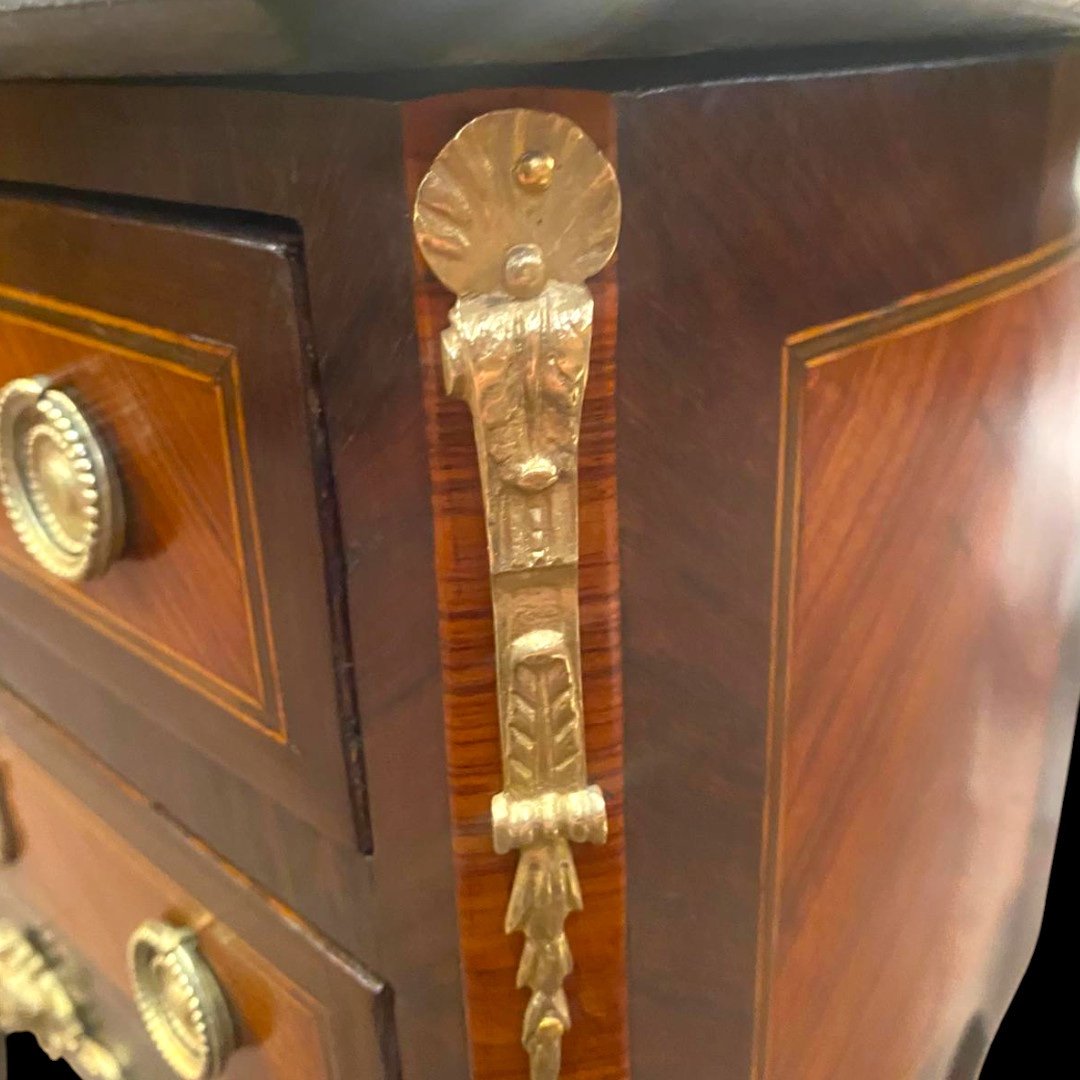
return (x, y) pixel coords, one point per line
(71, 38)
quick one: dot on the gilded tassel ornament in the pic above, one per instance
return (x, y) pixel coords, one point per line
(518, 210)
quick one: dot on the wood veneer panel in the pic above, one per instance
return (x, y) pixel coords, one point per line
(928, 674)
(752, 209)
(92, 890)
(180, 594)
(332, 166)
(595, 1047)
(131, 313)
(302, 1012)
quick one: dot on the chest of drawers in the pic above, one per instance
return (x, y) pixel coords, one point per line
(547, 582)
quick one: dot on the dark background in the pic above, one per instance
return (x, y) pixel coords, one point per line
(1041, 1026)
(1036, 1031)
(27, 1062)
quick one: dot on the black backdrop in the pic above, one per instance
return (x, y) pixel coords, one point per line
(1039, 1036)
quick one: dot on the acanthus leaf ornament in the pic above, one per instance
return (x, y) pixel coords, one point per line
(516, 212)
(37, 995)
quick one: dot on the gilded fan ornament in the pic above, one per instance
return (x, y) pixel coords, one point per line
(516, 212)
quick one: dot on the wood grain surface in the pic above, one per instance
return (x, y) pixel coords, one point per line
(928, 676)
(328, 174)
(80, 882)
(753, 209)
(228, 556)
(180, 596)
(595, 1047)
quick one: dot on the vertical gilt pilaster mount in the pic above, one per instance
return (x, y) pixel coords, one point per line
(518, 210)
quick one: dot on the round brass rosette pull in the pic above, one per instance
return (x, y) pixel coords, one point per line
(57, 481)
(179, 1000)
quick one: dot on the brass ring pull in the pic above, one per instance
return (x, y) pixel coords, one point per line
(180, 1002)
(57, 480)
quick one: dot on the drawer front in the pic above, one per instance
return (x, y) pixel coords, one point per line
(187, 592)
(184, 351)
(299, 1012)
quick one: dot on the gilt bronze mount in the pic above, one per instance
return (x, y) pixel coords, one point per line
(35, 996)
(58, 482)
(517, 211)
(180, 1001)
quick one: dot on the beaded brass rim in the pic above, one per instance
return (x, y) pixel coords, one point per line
(57, 481)
(180, 1001)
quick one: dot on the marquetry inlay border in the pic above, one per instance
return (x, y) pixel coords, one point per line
(802, 353)
(215, 365)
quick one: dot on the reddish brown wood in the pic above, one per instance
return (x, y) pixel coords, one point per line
(596, 1044)
(179, 597)
(327, 172)
(933, 490)
(187, 348)
(752, 209)
(79, 880)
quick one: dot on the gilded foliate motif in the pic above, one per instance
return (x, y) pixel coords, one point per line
(516, 212)
(37, 994)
